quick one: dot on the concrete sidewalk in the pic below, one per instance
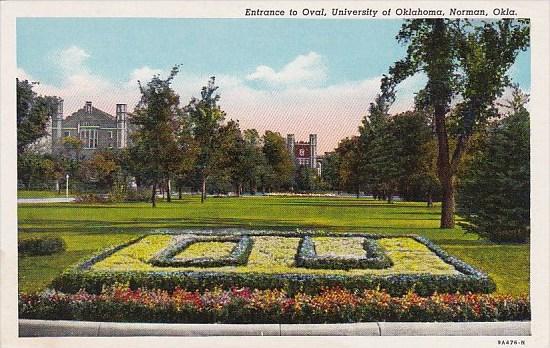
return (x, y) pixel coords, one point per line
(60, 328)
(45, 200)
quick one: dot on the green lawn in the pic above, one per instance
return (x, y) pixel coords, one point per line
(88, 228)
(40, 194)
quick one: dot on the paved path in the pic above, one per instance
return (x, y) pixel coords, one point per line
(45, 200)
(59, 328)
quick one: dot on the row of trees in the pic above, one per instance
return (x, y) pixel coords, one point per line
(191, 146)
(194, 144)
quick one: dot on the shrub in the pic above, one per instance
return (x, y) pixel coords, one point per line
(245, 305)
(238, 255)
(138, 195)
(373, 257)
(41, 245)
(92, 198)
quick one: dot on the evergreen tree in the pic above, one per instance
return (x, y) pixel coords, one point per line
(494, 194)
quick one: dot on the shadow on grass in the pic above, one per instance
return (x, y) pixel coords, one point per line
(148, 224)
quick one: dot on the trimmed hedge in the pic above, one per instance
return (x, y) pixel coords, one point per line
(41, 245)
(245, 305)
(238, 256)
(374, 257)
(468, 280)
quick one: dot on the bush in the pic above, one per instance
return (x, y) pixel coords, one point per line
(41, 245)
(92, 198)
(138, 195)
(374, 257)
(238, 256)
(244, 305)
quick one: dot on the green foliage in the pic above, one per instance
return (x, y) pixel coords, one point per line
(206, 118)
(41, 246)
(341, 253)
(349, 171)
(35, 170)
(33, 114)
(154, 145)
(330, 171)
(279, 164)
(190, 250)
(464, 61)
(494, 195)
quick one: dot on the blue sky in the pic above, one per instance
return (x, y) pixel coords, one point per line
(289, 75)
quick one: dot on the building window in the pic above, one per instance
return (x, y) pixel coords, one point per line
(301, 152)
(67, 133)
(89, 137)
(111, 134)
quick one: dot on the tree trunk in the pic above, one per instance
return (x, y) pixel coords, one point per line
(448, 204)
(390, 198)
(168, 191)
(444, 170)
(203, 188)
(430, 202)
(179, 192)
(154, 195)
(238, 189)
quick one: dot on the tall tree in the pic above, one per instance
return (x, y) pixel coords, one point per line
(33, 114)
(154, 141)
(460, 59)
(349, 152)
(279, 161)
(206, 119)
(330, 173)
(494, 194)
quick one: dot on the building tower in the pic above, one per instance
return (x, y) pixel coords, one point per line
(122, 130)
(57, 125)
(313, 150)
(290, 144)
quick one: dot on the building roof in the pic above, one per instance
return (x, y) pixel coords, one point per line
(95, 118)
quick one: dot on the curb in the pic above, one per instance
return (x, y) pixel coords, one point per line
(60, 328)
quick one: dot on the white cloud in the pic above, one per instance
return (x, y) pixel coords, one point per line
(142, 74)
(71, 60)
(309, 69)
(296, 103)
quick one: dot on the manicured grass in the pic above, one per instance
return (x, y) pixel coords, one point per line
(88, 228)
(40, 194)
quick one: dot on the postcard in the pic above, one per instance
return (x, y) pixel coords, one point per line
(338, 173)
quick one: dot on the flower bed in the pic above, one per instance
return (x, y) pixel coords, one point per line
(272, 264)
(244, 305)
(341, 253)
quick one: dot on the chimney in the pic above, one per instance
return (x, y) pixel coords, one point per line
(57, 123)
(122, 127)
(88, 107)
(313, 150)
(290, 143)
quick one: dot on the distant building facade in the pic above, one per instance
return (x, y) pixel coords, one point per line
(96, 129)
(305, 153)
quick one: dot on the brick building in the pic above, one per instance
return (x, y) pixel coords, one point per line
(95, 128)
(304, 153)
